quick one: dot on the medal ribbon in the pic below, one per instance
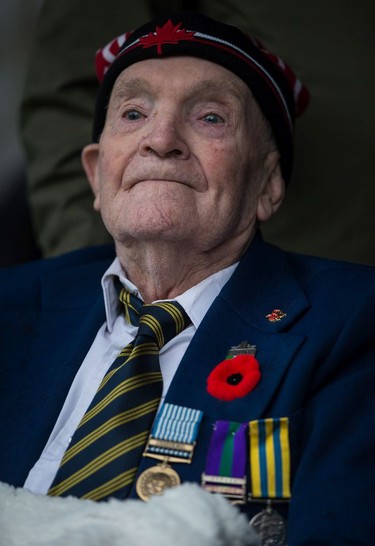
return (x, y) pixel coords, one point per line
(270, 458)
(175, 424)
(227, 451)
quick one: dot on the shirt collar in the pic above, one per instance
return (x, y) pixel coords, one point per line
(110, 293)
(196, 300)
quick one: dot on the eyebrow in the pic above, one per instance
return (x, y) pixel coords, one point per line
(208, 87)
(130, 88)
(140, 86)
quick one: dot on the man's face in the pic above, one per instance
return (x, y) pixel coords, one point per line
(180, 158)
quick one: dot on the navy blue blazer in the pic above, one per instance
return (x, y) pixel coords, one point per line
(317, 368)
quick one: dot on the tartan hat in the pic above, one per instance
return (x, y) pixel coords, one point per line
(278, 92)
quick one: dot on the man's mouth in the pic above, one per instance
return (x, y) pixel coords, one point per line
(158, 179)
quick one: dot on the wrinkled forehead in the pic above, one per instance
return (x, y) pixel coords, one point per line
(277, 90)
(189, 76)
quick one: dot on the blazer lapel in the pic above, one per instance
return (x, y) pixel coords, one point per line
(261, 283)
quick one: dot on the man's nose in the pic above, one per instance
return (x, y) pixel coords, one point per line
(164, 137)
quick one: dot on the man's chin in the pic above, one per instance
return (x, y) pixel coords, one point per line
(156, 234)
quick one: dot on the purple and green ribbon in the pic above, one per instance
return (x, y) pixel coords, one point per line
(227, 452)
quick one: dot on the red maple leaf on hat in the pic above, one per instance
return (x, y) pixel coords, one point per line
(167, 34)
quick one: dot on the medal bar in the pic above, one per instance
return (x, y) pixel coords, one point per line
(244, 348)
(164, 450)
(234, 489)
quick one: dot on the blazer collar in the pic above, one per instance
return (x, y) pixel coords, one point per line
(75, 287)
(263, 281)
(73, 297)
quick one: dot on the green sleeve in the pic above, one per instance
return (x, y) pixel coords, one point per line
(57, 113)
(328, 209)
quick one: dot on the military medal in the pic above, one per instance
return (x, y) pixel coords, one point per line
(270, 476)
(225, 470)
(270, 527)
(172, 440)
(155, 480)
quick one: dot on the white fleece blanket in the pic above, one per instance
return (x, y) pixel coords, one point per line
(184, 516)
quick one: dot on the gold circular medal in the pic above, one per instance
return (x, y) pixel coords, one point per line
(155, 480)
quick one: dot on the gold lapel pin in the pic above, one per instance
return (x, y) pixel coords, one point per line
(276, 315)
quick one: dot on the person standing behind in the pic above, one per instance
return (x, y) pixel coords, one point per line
(329, 44)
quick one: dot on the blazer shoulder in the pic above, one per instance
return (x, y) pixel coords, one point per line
(331, 276)
(64, 261)
(19, 279)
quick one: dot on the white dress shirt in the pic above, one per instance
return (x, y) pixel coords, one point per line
(111, 338)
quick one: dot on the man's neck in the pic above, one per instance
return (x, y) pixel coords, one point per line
(164, 271)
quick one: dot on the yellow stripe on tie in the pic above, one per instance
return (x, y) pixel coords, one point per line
(116, 421)
(176, 314)
(122, 388)
(107, 489)
(99, 462)
(142, 350)
(126, 351)
(155, 327)
(110, 374)
(124, 297)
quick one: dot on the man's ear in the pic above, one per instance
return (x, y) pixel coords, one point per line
(89, 157)
(273, 189)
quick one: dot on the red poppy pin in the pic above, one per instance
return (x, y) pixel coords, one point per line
(234, 377)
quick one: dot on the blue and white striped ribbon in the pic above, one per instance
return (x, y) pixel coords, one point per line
(176, 424)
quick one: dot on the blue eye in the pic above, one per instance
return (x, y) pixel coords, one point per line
(213, 118)
(132, 115)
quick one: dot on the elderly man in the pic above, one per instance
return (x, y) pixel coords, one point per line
(261, 392)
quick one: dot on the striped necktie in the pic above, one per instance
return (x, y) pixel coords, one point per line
(105, 451)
